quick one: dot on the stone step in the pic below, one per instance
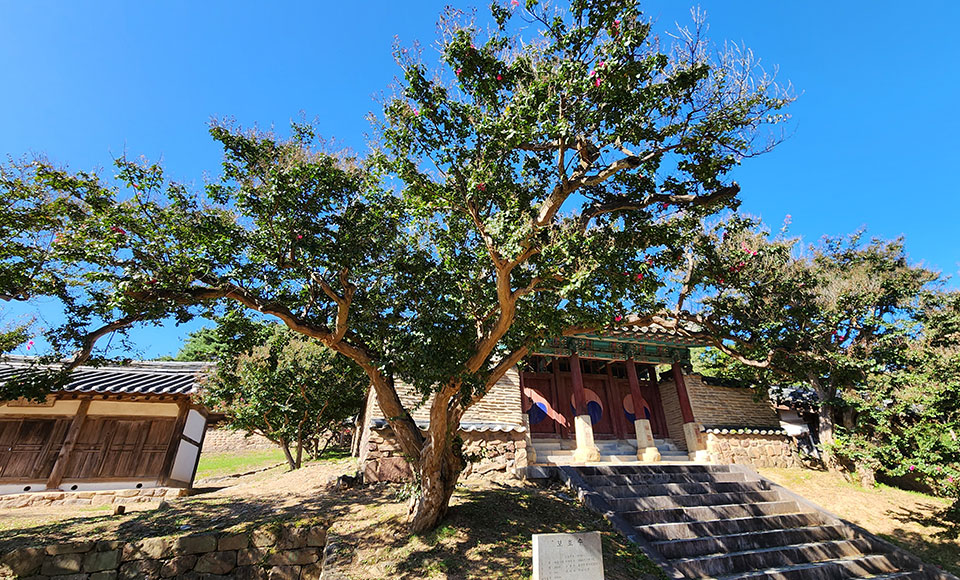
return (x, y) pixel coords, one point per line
(870, 566)
(697, 500)
(663, 478)
(693, 488)
(604, 459)
(716, 521)
(673, 453)
(610, 455)
(910, 574)
(567, 459)
(717, 527)
(714, 512)
(702, 546)
(665, 445)
(760, 559)
(654, 468)
(550, 446)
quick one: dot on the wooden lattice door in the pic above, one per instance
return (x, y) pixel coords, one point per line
(29, 447)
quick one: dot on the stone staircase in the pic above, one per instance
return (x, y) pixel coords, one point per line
(726, 522)
(560, 451)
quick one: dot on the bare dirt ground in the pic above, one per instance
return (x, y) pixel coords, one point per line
(908, 519)
(487, 533)
(217, 504)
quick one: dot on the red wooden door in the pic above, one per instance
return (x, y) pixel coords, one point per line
(540, 405)
(599, 407)
(623, 410)
(654, 412)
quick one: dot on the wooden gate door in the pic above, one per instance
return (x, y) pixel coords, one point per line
(110, 448)
(29, 447)
(658, 422)
(540, 405)
(599, 407)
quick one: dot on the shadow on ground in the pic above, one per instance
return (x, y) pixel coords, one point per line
(487, 534)
(195, 514)
(938, 547)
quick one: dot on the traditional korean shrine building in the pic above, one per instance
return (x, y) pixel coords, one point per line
(112, 427)
(620, 396)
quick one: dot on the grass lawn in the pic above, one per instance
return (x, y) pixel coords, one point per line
(214, 465)
(906, 518)
(223, 464)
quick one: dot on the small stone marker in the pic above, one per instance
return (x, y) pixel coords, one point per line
(567, 556)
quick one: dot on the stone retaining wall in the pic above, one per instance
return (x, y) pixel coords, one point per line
(494, 452)
(752, 449)
(223, 440)
(118, 496)
(281, 552)
(489, 453)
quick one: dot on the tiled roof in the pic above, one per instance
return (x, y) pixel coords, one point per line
(134, 378)
(740, 430)
(650, 332)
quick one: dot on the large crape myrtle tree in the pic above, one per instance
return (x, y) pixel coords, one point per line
(543, 178)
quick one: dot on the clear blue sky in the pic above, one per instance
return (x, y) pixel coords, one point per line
(876, 129)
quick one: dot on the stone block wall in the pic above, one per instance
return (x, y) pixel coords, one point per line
(721, 405)
(381, 458)
(671, 412)
(489, 453)
(754, 449)
(501, 404)
(116, 497)
(223, 440)
(494, 452)
(270, 552)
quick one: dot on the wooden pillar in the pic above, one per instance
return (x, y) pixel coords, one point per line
(174, 444)
(646, 446)
(576, 378)
(586, 447)
(656, 403)
(696, 448)
(686, 411)
(621, 426)
(559, 399)
(66, 451)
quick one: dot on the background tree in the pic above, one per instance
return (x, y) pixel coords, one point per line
(538, 183)
(202, 345)
(853, 321)
(292, 390)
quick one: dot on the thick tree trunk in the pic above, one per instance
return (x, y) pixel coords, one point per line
(286, 453)
(825, 432)
(439, 473)
(827, 422)
(440, 463)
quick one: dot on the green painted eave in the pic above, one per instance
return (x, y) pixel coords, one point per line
(591, 346)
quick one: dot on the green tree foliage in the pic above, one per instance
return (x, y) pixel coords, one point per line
(233, 335)
(12, 337)
(291, 389)
(542, 179)
(854, 321)
(201, 345)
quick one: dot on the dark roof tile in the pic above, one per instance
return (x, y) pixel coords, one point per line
(134, 378)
